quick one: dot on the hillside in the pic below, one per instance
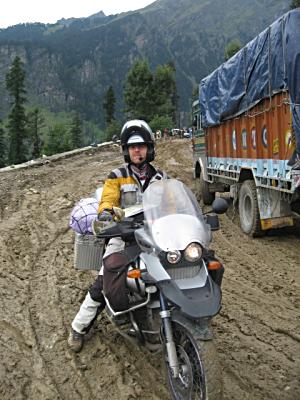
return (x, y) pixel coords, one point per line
(257, 331)
(70, 64)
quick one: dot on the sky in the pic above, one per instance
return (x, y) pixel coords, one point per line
(49, 11)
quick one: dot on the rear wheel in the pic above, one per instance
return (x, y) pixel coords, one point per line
(200, 372)
(207, 196)
(248, 209)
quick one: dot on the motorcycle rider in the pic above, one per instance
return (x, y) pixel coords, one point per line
(123, 187)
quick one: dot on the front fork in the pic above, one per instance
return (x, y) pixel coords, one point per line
(168, 336)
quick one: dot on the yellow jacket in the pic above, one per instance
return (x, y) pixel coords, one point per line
(122, 188)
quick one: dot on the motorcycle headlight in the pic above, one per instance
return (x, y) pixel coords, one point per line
(173, 256)
(193, 252)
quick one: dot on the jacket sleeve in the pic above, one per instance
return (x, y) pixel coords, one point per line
(110, 195)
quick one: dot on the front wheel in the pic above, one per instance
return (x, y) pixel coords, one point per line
(248, 209)
(207, 196)
(200, 373)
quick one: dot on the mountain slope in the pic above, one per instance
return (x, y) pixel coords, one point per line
(70, 64)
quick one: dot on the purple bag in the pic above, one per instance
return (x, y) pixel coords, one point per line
(83, 214)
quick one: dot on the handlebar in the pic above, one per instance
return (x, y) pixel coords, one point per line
(124, 229)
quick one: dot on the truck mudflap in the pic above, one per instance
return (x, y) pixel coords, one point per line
(275, 207)
(194, 303)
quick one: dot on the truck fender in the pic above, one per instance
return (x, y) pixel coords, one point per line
(200, 166)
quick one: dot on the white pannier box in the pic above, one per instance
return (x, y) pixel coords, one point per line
(88, 252)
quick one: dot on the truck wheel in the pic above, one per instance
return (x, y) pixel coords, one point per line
(207, 196)
(248, 209)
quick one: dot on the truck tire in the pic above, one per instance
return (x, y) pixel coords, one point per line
(207, 196)
(248, 209)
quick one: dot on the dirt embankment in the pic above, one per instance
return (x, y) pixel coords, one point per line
(257, 331)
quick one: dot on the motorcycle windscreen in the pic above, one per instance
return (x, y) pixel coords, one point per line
(173, 216)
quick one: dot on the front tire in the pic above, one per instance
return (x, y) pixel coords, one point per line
(248, 209)
(207, 196)
(200, 377)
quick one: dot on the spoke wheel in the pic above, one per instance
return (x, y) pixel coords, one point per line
(200, 372)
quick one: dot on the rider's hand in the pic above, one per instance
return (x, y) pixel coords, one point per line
(106, 215)
(118, 213)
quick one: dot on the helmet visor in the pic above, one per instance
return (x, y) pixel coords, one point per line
(134, 139)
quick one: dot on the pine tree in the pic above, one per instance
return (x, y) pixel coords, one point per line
(15, 79)
(174, 94)
(76, 132)
(3, 148)
(148, 95)
(35, 121)
(164, 88)
(109, 105)
(138, 93)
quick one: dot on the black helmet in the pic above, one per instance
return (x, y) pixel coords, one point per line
(137, 131)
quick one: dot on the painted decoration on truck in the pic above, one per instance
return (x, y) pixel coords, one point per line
(264, 136)
(234, 139)
(253, 138)
(244, 138)
(275, 146)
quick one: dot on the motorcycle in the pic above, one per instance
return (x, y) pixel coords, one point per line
(173, 285)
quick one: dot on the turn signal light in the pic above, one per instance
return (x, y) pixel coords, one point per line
(213, 265)
(134, 273)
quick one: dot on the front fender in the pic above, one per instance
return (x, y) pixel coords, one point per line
(202, 327)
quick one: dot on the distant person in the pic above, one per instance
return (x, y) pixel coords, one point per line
(166, 133)
(123, 187)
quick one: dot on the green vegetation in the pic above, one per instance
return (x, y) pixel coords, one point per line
(33, 131)
(109, 105)
(150, 96)
(76, 132)
(165, 92)
(233, 47)
(114, 128)
(15, 84)
(294, 4)
(138, 91)
(35, 123)
(2, 147)
(160, 123)
(58, 140)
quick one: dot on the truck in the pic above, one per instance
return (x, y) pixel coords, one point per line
(246, 120)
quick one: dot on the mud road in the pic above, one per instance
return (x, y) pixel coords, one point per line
(257, 332)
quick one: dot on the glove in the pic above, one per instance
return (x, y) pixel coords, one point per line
(118, 214)
(106, 215)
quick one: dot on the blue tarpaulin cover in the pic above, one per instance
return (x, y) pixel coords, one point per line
(269, 64)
